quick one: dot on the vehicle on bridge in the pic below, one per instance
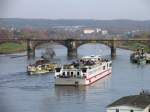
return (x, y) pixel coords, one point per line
(85, 71)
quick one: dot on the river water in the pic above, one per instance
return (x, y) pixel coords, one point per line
(20, 92)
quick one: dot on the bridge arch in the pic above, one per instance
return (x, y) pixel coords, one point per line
(93, 49)
(93, 42)
(56, 46)
(110, 44)
(36, 44)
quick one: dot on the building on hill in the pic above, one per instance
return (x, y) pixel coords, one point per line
(104, 32)
(88, 31)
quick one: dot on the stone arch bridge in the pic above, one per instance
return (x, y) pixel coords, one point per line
(71, 44)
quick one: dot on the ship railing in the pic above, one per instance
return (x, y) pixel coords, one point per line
(74, 76)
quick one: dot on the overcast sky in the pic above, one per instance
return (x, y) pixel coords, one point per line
(76, 9)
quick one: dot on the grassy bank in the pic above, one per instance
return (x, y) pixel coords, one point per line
(135, 46)
(7, 48)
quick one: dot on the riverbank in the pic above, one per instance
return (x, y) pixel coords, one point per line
(134, 46)
(9, 48)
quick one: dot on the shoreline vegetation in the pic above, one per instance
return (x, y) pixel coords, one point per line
(135, 46)
(10, 48)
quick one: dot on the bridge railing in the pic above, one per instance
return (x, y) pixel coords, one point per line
(74, 39)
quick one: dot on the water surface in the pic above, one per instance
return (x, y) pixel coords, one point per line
(20, 92)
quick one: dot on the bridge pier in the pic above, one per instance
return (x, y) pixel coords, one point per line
(30, 49)
(72, 49)
(72, 53)
(113, 49)
(113, 52)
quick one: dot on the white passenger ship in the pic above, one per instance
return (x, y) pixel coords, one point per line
(85, 71)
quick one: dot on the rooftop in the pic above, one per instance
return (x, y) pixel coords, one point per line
(140, 101)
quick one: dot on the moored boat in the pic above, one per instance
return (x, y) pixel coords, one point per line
(41, 67)
(83, 72)
(139, 57)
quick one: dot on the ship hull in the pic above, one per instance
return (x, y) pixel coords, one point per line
(37, 72)
(82, 82)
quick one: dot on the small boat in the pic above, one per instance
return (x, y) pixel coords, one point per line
(141, 60)
(85, 71)
(139, 57)
(41, 67)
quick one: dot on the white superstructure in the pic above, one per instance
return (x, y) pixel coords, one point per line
(83, 72)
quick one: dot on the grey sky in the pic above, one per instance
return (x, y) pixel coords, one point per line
(76, 9)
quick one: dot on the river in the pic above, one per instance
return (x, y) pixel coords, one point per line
(20, 92)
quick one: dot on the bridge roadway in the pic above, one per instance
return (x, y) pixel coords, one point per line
(75, 39)
(71, 44)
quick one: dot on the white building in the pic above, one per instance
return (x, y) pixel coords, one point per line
(98, 30)
(88, 31)
(135, 103)
(104, 32)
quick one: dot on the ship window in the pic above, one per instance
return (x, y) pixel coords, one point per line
(103, 67)
(110, 65)
(117, 110)
(131, 111)
(68, 73)
(58, 69)
(78, 73)
(84, 69)
(71, 74)
(63, 73)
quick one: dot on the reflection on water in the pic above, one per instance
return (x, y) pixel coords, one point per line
(20, 92)
(102, 85)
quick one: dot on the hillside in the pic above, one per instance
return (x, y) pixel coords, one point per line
(106, 24)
